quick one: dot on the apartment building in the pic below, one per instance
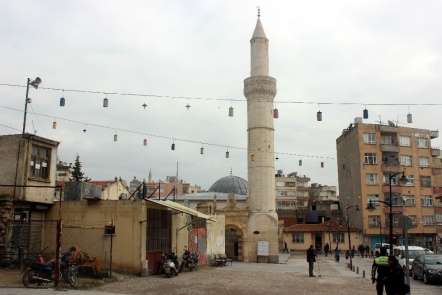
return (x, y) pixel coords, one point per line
(368, 154)
(292, 194)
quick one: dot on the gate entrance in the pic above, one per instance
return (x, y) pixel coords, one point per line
(233, 243)
(158, 236)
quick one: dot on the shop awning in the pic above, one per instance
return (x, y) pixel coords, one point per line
(180, 208)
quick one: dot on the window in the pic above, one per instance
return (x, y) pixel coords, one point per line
(409, 201)
(405, 160)
(409, 180)
(338, 237)
(404, 141)
(374, 220)
(413, 219)
(394, 179)
(386, 139)
(40, 162)
(373, 199)
(298, 238)
(422, 143)
(428, 220)
(423, 162)
(426, 181)
(370, 158)
(397, 199)
(280, 183)
(396, 218)
(438, 218)
(371, 178)
(427, 201)
(370, 138)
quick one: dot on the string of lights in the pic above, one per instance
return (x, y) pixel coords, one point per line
(169, 138)
(280, 101)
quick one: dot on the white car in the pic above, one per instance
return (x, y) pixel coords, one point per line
(413, 252)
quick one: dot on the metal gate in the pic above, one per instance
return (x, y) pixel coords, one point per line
(159, 224)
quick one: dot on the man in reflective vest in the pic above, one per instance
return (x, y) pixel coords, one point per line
(380, 266)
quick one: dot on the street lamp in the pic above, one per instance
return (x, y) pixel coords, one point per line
(372, 205)
(34, 83)
(348, 231)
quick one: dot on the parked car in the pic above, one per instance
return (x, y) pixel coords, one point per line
(413, 252)
(427, 267)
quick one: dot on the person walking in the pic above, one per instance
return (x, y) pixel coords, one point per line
(395, 282)
(380, 270)
(326, 249)
(337, 254)
(367, 251)
(311, 259)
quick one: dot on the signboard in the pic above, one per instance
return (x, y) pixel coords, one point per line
(263, 248)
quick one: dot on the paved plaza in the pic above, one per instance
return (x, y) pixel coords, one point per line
(248, 278)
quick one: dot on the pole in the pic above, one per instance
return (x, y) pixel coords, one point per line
(390, 203)
(26, 105)
(407, 258)
(349, 239)
(57, 253)
(380, 232)
(110, 258)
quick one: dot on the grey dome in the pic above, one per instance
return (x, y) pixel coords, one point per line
(230, 184)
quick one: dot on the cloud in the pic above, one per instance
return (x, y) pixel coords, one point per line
(367, 51)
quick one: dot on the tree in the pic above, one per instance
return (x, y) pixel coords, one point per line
(77, 173)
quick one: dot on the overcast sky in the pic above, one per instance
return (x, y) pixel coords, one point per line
(351, 51)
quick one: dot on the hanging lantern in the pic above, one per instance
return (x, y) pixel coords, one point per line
(145, 141)
(227, 154)
(202, 151)
(84, 130)
(409, 118)
(172, 147)
(365, 114)
(230, 111)
(275, 113)
(54, 125)
(322, 164)
(188, 106)
(144, 105)
(105, 102)
(319, 116)
(115, 137)
(62, 101)
(300, 162)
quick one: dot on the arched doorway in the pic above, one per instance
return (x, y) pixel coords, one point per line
(233, 243)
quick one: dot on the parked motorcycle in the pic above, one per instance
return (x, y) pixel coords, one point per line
(40, 273)
(169, 265)
(190, 261)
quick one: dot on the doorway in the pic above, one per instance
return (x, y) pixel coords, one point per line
(318, 242)
(233, 243)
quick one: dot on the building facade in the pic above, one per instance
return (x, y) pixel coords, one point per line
(27, 175)
(368, 156)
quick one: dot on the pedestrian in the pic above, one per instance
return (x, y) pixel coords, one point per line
(337, 254)
(395, 283)
(379, 270)
(326, 249)
(286, 250)
(361, 250)
(352, 252)
(367, 251)
(311, 259)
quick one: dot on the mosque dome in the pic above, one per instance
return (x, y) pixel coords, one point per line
(230, 184)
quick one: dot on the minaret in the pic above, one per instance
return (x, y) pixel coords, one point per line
(260, 90)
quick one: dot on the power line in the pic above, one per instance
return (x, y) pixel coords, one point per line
(170, 138)
(10, 127)
(281, 101)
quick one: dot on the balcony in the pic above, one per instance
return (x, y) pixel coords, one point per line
(391, 166)
(389, 129)
(390, 148)
(434, 134)
(435, 152)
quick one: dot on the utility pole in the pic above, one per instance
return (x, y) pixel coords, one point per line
(34, 84)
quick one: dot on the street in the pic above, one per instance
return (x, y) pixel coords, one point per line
(248, 278)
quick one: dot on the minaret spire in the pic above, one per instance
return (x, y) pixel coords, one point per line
(259, 46)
